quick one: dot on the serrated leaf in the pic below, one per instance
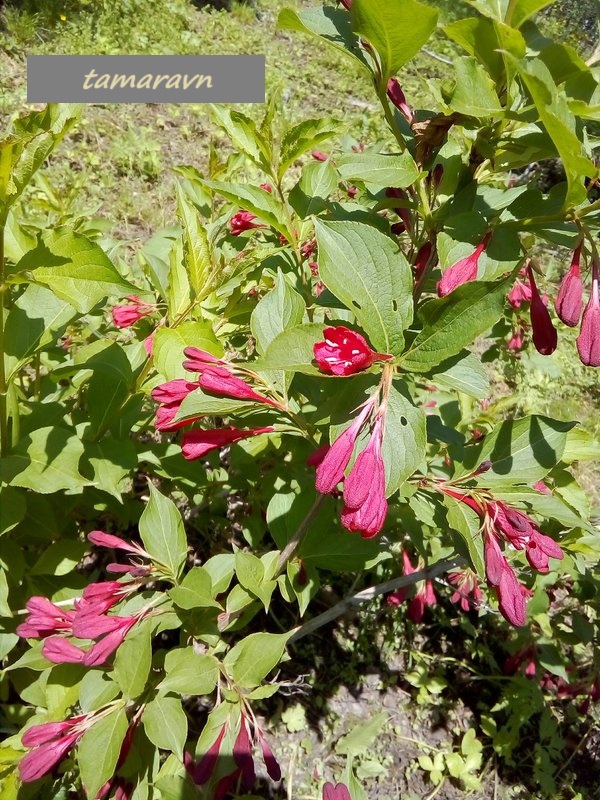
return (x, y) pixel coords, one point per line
(464, 374)
(46, 460)
(304, 136)
(162, 532)
(76, 269)
(368, 272)
(467, 523)
(404, 440)
(399, 171)
(196, 249)
(451, 323)
(333, 25)
(475, 94)
(280, 309)
(99, 748)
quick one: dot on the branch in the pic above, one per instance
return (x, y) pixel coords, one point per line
(291, 547)
(373, 591)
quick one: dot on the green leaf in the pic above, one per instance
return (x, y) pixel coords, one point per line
(397, 29)
(466, 522)
(380, 170)
(33, 138)
(169, 344)
(331, 24)
(292, 350)
(36, 320)
(134, 659)
(521, 450)
(179, 291)
(453, 322)
(198, 404)
(109, 387)
(282, 308)
(166, 724)
(12, 503)
(251, 660)
(263, 204)
(367, 271)
(475, 93)
(108, 463)
(464, 374)
(361, 737)
(304, 136)
(99, 749)
(188, 672)
(484, 38)
(162, 532)
(76, 269)
(521, 10)
(60, 558)
(559, 121)
(404, 440)
(196, 249)
(318, 181)
(250, 572)
(96, 690)
(46, 460)
(195, 591)
(241, 130)
(496, 9)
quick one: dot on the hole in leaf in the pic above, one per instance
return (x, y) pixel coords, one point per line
(403, 421)
(394, 305)
(356, 305)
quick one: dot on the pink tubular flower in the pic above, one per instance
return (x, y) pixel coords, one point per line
(515, 343)
(102, 596)
(331, 469)
(242, 754)
(365, 504)
(243, 221)
(271, 763)
(318, 155)
(545, 337)
(588, 341)
(467, 592)
(512, 597)
(345, 352)
(569, 300)
(396, 95)
(125, 316)
(403, 213)
(171, 395)
(204, 768)
(197, 359)
(317, 457)
(45, 619)
(102, 539)
(519, 294)
(198, 443)
(266, 187)
(220, 380)
(423, 259)
(149, 344)
(339, 791)
(463, 271)
(101, 650)
(61, 651)
(524, 534)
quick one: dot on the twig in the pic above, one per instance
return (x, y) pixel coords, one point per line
(436, 56)
(369, 594)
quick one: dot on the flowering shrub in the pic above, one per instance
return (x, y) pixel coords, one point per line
(310, 348)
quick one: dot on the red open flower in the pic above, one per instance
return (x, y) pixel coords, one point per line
(125, 316)
(243, 221)
(345, 352)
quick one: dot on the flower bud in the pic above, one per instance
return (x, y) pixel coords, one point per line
(588, 341)
(569, 301)
(463, 271)
(545, 337)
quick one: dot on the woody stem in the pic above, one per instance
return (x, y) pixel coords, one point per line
(296, 540)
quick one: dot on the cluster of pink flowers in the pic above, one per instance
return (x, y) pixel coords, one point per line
(89, 618)
(127, 315)
(215, 376)
(344, 352)
(502, 523)
(248, 738)
(569, 307)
